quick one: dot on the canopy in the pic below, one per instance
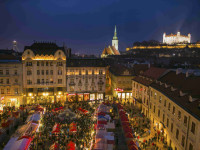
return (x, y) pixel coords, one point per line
(71, 146)
(56, 128)
(101, 122)
(17, 143)
(55, 146)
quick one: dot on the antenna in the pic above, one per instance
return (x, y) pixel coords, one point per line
(15, 48)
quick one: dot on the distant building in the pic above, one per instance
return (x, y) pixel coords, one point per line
(86, 79)
(176, 38)
(10, 79)
(112, 50)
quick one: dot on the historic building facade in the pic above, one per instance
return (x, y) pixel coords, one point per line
(44, 73)
(10, 81)
(176, 38)
(172, 105)
(86, 79)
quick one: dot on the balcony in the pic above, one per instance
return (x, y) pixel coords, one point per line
(71, 83)
(100, 83)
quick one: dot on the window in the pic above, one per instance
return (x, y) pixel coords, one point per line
(7, 81)
(185, 120)
(165, 102)
(29, 72)
(92, 72)
(38, 72)
(150, 105)
(177, 133)
(1, 72)
(47, 63)
(51, 63)
(42, 81)
(42, 72)
(169, 106)
(160, 99)
(16, 90)
(59, 72)
(173, 112)
(154, 108)
(163, 117)
(16, 80)
(1, 81)
(59, 63)
(155, 95)
(59, 81)
(29, 82)
(42, 63)
(2, 91)
(86, 80)
(100, 72)
(86, 72)
(92, 80)
(38, 63)
(100, 88)
(8, 91)
(47, 81)
(167, 122)
(193, 128)
(51, 72)
(79, 72)
(47, 72)
(191, 147)
(172, 127)
(28, 63)
(179, 115)
(7, 72)
(183, 141)
(15, 72)
(158, 112)
(38, 81)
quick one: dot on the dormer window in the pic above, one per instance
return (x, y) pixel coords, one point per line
(28, 53)
(59, 53)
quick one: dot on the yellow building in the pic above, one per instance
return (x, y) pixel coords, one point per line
(10, 80)
(121, 82)
(173, 108)
(44, 73)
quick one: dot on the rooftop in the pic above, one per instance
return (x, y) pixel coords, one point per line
(45, 48)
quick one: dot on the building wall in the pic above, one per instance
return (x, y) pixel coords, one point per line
(87, 81)
(122, 82)
(11, 84)
(169, 118)
(44, 77)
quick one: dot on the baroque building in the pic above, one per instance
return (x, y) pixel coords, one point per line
(44, 73)
(171, 102)
(86, 79)
(176, 38)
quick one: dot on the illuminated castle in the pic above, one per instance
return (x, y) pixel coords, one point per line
(176, 38)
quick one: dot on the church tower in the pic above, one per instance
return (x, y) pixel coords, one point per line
(115, 39)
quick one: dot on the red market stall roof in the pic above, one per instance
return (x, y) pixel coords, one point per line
(124, 118)
(56, 128)
(125, 124)
(72, 127)
(129, 135)
(127, 130)
(101, 122)
(101, 114)
(129, 143)
(132, 147)
(83, 110)
(55, 146)
(71, 146)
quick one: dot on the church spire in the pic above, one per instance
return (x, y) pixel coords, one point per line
(115, 34)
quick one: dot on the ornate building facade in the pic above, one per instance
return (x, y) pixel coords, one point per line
(176, 38)
(86, 79)
(44, 73)
(171, 102)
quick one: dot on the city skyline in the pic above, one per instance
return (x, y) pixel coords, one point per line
(90, 27)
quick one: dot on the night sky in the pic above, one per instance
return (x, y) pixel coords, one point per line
(88, 25)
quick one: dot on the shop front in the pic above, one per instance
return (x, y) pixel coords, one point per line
(71, 97)
(124, 97)
(86, 96)
(100, 96)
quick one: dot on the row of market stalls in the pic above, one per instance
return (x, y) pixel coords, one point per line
(126, 127)
(105, 127)
(24, 135)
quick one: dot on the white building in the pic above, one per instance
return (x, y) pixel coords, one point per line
(176, 38)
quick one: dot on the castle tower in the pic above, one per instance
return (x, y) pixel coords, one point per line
(115, 39)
